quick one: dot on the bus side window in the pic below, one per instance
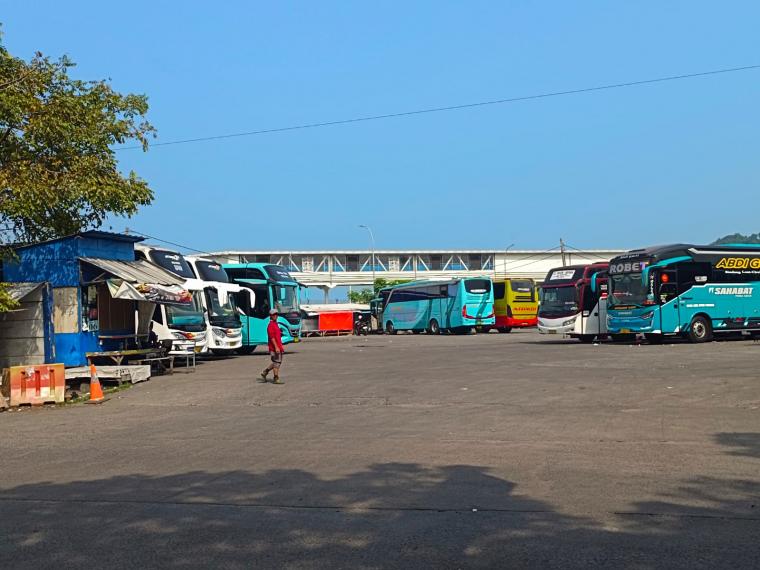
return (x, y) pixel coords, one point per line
(499, 289)
(443, 292)
(452, 290)
(261, 308)
(690, 274)
(158, 315)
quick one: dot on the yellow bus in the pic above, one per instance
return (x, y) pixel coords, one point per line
(515, 304)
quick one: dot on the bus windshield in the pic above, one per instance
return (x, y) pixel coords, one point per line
(285, 298)
(221, 314)
(179, 316)
(523, 290)
(558, 301)
(477, 286)
(210, 271)
(626, 289)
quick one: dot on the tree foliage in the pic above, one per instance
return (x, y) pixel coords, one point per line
(364, 296)
(58, 169)
(738, 238)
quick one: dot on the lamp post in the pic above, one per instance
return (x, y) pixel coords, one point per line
(372, 241)
(510, 246)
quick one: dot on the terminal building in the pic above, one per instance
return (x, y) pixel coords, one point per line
(329, 269)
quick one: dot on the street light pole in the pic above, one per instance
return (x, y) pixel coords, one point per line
(372, 241)
(510, 246)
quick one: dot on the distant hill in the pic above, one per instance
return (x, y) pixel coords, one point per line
(738, 238)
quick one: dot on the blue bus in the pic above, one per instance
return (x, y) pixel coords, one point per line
(454, 305)
(686, 290)
(272, 287)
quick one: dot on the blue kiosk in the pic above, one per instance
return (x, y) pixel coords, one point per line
(102, 298)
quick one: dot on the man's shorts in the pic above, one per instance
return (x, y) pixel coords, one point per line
(276, 358)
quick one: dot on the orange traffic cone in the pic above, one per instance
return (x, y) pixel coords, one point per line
(96, 392)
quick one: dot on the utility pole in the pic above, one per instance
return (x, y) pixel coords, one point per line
(562, 251)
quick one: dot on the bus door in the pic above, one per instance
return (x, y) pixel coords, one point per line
(449, 303)
(664, 284)
(589, 303)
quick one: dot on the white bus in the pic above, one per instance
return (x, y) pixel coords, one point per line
(185, 326)
(573, 302)
(224, 331)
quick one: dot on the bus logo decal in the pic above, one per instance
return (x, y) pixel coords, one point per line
(738, 263)
(739, 291)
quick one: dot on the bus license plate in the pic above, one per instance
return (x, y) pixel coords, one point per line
(552, 331)
(478, 321)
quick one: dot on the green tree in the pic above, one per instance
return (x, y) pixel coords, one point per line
(363, 296)
(58, 168)
(737, 238)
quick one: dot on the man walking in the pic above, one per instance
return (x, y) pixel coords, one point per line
(276, 350)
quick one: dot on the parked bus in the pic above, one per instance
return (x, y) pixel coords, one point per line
(185, 326)
(223, 325)
(455, 305)
(515, 304)
(686, 290)
(573, 302)
(376, 307)
(272, 287)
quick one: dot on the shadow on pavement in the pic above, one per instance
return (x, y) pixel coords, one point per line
(390, 515)
(744, 444)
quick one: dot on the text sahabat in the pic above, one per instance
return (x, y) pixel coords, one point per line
(730, 290)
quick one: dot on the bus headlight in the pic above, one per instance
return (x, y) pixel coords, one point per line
(648, 316)
(569, 322)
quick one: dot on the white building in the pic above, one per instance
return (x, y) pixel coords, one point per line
(328, 269)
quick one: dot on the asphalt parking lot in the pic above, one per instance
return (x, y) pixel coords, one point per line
(404, 451)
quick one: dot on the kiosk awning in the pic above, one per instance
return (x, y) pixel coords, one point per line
(140, 280)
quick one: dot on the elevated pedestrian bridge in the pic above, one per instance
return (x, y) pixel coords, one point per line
(327, 269)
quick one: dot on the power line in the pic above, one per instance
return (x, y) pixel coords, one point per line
(449, 107)
(188, 248)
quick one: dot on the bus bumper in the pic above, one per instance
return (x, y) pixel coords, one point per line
(511, 322)
(563, 326)
(631, 324)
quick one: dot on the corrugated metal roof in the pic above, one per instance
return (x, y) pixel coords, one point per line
(18, 291)
(92, 234)
(139, 271)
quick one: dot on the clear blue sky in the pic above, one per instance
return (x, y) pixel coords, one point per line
(685, 154)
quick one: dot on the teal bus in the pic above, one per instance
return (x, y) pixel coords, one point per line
(685, 290)
(265, 286)
(452, 305)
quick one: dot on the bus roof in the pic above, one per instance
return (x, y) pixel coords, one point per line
(696, 252)
(431, 282)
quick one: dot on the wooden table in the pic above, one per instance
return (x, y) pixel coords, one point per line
(118, 356)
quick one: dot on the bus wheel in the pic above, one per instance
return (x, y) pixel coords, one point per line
(653, 338)
(247, 349)
(389, 328)
(433, 327)
(505, 329)
(700, 330)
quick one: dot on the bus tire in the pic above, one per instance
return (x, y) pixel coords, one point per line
(247, 349)
(434, 327)
(504, 329)
(586, 338)
(700, 329)
(653, 338)
(389, 328)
